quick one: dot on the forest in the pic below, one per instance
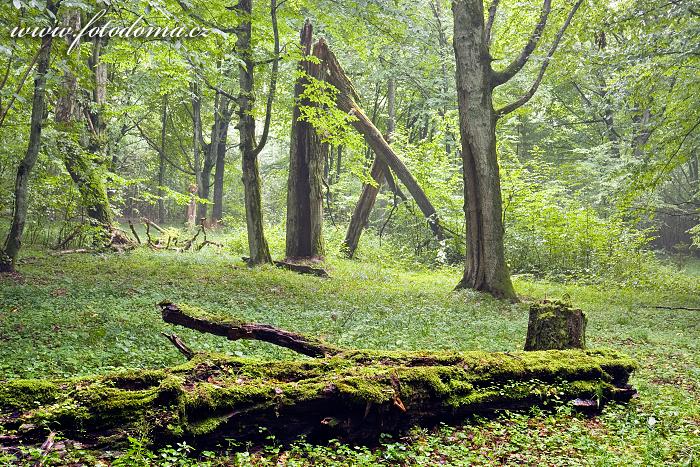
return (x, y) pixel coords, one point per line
(349, 232)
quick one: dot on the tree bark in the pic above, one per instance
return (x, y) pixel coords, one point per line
(485, 267)
(13, 243)
(304, 234)
(353, 395)
(252, 185)
(162, 160)
(220, 166)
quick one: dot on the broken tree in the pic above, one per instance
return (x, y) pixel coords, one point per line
(346, 101)
(307, 153)
(340, 393)
(378, 172)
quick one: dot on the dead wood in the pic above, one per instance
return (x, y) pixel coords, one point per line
(234, 330)
(296, 267)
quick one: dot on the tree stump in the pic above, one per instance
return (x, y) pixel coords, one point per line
(554, 325)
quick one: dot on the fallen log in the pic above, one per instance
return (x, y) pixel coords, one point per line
(296, 267)
(353, 395)
(234, 329)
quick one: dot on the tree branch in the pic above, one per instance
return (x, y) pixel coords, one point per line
(160, 151)
(273, 80)
(234, 330)
(188, 10)
(501, 77)
(531, 92)
(489, 23)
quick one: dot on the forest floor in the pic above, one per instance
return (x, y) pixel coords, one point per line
(83, 314)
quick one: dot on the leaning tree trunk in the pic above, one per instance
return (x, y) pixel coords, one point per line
(10, 251)
(252, 185)
(346, 101)
(485, 266)
(354, 395)
(304, 237)
(364, 206)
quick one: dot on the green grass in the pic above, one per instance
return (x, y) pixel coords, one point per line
(84, 314)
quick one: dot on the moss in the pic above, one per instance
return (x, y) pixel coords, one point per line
(28, 393)
(197, 398)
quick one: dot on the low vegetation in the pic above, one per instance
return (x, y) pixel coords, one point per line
(82, 314)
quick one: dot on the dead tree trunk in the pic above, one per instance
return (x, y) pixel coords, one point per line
(346, 101)
(78, 163)
(304, 238)
(10, 251)
(349, 394)
(364, 206)
(555, 325)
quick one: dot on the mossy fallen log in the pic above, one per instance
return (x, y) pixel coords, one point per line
(353, 395)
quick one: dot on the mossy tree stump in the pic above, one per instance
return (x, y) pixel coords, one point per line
(554, 325)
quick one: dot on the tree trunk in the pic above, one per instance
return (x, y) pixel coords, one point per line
(252, 185)
(353, 395)
(162, 161)
(485, 267)
(200, 182)
(365, 204)
(346, 102)
(220, 166)
(78, 163)
(304, 237)
(555, 326)
(10, 251)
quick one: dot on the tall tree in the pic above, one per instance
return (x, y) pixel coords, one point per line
(252, 185)
(10, 251)
(485, 267)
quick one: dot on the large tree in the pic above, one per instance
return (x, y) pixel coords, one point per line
(485, 267)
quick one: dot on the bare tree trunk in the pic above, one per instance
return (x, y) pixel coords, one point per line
(365, 204)
(485, 267)
(162, 161)
(220, 166)
(304, 237)
(257, 244)
(10, 251)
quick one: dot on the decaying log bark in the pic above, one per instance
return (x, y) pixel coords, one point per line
(348, 394)
(555, 325)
